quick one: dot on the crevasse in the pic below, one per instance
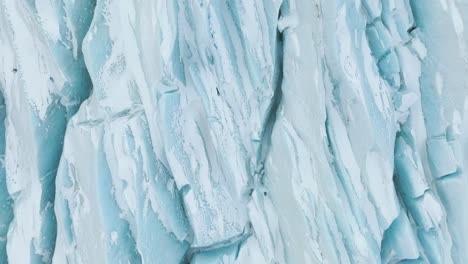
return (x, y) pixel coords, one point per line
(233, 131)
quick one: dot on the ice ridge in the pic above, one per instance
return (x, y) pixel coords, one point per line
(233, 131)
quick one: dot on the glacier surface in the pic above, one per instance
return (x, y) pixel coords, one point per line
(233, 131)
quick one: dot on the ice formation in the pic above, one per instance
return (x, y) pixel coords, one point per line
(233, 131)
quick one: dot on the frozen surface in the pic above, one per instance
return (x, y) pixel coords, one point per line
(233, 131)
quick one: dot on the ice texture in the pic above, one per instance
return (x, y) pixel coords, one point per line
(233, 131)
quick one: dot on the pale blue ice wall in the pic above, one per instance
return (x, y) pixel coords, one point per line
(6, 212)
(44, 80)
(233, 131)
(374, 196)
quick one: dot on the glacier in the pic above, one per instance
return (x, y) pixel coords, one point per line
(233, 131)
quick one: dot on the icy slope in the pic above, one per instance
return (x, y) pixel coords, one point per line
(233, 131)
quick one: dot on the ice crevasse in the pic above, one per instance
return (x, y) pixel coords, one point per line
(233, 131)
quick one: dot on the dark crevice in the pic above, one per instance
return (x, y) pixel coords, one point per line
(411, 29)
(263, 150)
(270, 118)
